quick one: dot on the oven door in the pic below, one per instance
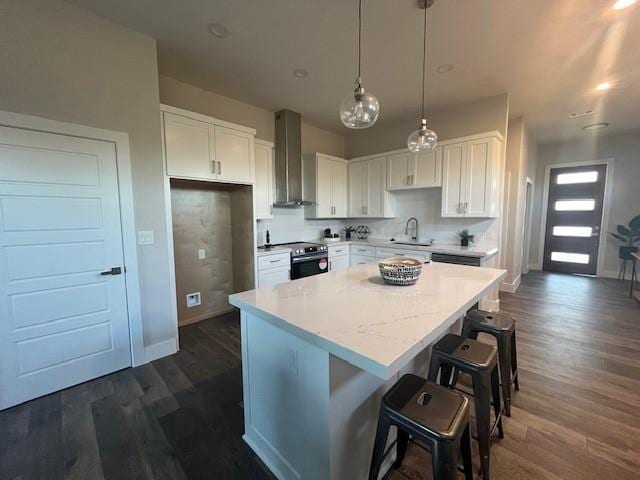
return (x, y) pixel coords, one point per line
(307, 266)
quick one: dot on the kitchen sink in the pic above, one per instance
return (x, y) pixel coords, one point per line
(413, 244)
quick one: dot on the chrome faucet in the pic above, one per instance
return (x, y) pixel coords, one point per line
(406, 228)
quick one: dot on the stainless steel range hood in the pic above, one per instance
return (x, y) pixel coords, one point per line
(288, 164)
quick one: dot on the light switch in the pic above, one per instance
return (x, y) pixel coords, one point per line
(145, 237)
(201, 254)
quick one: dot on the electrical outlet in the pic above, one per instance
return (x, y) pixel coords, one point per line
(201, 254)
(145, 237)
(193, 299)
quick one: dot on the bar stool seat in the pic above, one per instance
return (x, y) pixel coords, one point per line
(436, 416)
(480, 361)
(503, 328)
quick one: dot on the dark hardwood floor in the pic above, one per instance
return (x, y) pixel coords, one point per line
(576, 416)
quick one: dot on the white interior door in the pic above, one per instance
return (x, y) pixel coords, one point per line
(62, 321)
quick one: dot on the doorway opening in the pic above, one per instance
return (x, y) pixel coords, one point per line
(574, 217)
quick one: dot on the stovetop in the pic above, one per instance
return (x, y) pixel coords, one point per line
(302, 248)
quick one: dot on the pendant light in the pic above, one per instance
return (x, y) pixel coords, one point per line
(423, 138)
(359, 109)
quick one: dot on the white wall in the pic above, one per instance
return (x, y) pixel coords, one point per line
(624, 148)
(479, 116)
(425, 205)
(289, 225)
(520, 162)
(63, 63)
(189, 97)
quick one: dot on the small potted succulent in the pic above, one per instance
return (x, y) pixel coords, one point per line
(465, 237)
(348, 231)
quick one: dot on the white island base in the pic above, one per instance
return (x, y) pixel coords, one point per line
(319, 353)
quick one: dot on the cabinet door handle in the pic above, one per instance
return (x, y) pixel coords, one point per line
(213, 166)
(466, 207)
(219, 168)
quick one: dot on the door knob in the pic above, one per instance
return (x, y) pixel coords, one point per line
(113, 271)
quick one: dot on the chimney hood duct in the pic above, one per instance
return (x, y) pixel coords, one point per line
(288, 164)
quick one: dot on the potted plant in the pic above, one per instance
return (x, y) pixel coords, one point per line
(629, 236)
(348, 231)
(465, 237)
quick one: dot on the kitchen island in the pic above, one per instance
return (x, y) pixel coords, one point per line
(318, 354)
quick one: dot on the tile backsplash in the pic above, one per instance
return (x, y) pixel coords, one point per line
(289, 225)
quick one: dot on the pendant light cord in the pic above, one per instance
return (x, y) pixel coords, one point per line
(424, 58)
(359, 41)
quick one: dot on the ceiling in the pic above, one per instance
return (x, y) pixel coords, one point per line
(548, 54)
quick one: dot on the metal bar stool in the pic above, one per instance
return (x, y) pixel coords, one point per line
(503, 328)
(436, 416)
(480, 361)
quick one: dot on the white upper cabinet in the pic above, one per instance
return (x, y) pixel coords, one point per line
(471, 175)
(234, 155)
(203, 148)
(408, 170)
(428, 169)
(263, 186)
(325, 183)
(398, 171)
(189, 147)
(368, 195)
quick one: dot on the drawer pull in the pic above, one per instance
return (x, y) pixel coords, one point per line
(276, 261)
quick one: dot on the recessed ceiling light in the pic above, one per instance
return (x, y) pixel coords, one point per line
(595, 126)
(218, 30)
(581, 114)
(621, 4)
(300, 73)
(444, 68)
(601, 87)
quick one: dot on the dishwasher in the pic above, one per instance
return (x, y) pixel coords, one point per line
(457, 259)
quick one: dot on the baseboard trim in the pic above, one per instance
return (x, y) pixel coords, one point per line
(510, 287)
(204, 316)
(160, 349)
(609, 274)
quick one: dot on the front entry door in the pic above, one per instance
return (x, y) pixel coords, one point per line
(63, 312)
(574, 216)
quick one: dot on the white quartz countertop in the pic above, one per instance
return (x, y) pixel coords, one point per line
(471, 251)
(353, 315)
(261, 252)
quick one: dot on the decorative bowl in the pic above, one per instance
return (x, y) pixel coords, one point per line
(400, 270)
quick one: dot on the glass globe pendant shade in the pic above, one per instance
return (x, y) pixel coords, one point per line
(422, 139)
(359, 110)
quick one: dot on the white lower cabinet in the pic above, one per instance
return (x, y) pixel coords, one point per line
(383, 253)
(360, 260)
(338, 263)
(273, 269)
(269, 278)
(338, 257)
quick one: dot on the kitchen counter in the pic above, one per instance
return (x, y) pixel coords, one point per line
(262, 252)
(318, 354)
(471, 251)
